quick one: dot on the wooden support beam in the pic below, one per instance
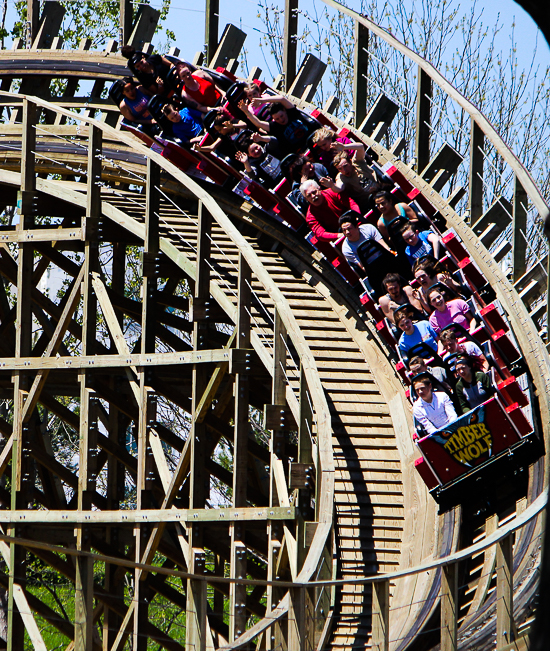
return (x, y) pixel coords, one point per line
(211, 28)
(495, 219)
(50, 23)
(441, 167)
(229, 48)
(237, 360)
(22, 475)
(87, 474)
(33, 18)
(449, 607)
(308, 77)
(252, 514)
(237, 593)
(423, 119)
(297, 619)
(126, 19)
(505, 592)
(379, 118)
(360, 72)
(519, 233)
(331, 105)
(144, 26)
(477, 159)
(290, 42)
(276, 475)
(147, 418)
(150, 259)
(305, 459)
(381, 616)
(196, 633)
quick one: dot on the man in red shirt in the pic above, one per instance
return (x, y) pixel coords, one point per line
(325, 208)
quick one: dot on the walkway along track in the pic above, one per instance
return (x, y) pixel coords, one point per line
(378, 517)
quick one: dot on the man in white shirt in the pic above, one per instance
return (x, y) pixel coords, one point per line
(433, 409)
(356, 235)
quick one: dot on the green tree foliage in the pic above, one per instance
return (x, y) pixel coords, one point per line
(94, 19)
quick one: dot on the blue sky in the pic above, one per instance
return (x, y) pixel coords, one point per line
(186, 19)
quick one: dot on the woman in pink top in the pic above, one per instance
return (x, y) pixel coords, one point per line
(455, 311)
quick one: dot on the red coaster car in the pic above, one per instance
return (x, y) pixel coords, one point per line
(489, 442)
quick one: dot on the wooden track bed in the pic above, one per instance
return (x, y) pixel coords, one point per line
(369, 490)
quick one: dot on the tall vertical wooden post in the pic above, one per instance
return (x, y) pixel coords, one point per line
(237, 593)
(21, 465)
(297, 619)
(477, 156)
(211, 28)
(277, 450)
(150, 257)
(305, 456)
(290, 38)
(381, 616)
(505, 592)
(449, 607)
(126, 20)
(147, 398)
(198, 485)
(87, 473)
(33, 21)
(519, 236)
(115, 470)
(423, 120)
(361, 60)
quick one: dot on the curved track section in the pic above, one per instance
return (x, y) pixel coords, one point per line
(334, 405)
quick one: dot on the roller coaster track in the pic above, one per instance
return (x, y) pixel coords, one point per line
(247, 315)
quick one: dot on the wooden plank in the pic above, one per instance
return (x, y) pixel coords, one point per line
(235, 359)
(43, 235)
(280, 483)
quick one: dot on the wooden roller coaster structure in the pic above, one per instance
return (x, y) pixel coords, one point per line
(237, 339)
